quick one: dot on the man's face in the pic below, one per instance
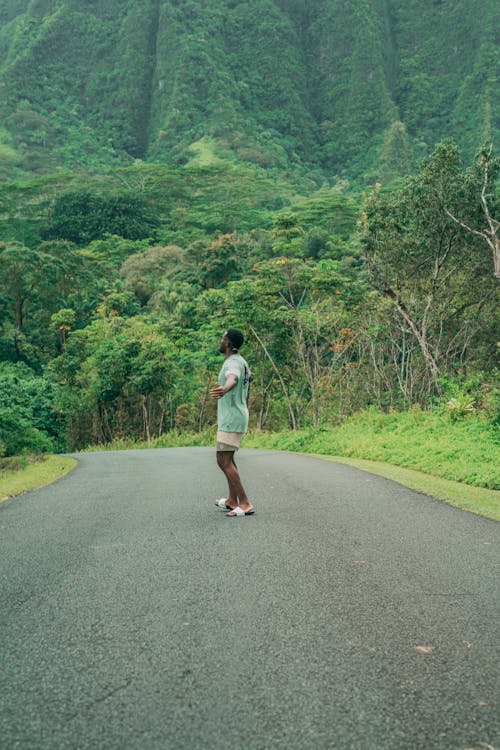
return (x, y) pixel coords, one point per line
(223, 344)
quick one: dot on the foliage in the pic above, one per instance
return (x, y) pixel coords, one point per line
(145, 271)
(352, 88)
(420, 259)
(338, 314)
(28, 420)
(114, 376)
(83, 217)
(463, 450)
(468, 394)
(25, 274)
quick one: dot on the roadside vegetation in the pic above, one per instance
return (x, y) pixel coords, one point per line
(19, 474)
(385, 301)
(475, 499)
(465, 451)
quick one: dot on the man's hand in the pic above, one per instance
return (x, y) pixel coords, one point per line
(217, 392)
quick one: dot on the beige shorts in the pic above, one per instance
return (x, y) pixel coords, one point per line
(228, 441)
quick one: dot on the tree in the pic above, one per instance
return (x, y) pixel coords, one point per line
(115, 377)
(221, 261)
(490, 168)
(83, 216)
(425, 263)
(28, 420)
(286, 229)
(395, 153)
(61, 323)
(145, 271)
(23, 273)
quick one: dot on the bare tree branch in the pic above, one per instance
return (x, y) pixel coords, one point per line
(280, 378)
(489, 236)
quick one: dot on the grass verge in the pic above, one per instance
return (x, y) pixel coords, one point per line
(475, 499)
(29, 473)
(465, 451)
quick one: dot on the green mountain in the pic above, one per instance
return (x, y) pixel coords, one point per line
(354, 88)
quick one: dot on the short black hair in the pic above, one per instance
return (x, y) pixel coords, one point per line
(235, 338)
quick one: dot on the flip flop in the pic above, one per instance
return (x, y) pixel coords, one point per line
(239, 513)
(221, 504)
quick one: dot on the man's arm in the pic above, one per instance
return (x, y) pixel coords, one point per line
(219, 391)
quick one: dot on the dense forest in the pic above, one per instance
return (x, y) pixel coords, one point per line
(173, 169)
(351, 88)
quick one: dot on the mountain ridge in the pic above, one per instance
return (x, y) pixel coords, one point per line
(347, 87)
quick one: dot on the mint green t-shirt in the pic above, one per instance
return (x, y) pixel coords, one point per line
(232, 410)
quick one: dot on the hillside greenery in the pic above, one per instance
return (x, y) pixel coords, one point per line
(356, 89)
(384, 300)
(173, 168)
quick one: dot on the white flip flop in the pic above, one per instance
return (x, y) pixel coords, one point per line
(239, 513)
(221, 504)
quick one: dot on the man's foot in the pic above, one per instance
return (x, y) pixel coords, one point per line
(241, 510)
(224, 504)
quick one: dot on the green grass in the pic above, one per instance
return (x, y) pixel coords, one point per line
(454, 461)
(475, 499)
(20, 474)
(466, 450)
(172, 439)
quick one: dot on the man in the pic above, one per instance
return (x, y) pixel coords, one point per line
(231, 393)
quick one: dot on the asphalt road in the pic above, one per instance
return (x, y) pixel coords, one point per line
(347, 613)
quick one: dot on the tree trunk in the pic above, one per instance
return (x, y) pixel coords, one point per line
(147, 417)
(201, 412)
(418, 332)
(293, 420)
(19, 314)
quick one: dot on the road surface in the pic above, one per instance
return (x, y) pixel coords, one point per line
(347, 613)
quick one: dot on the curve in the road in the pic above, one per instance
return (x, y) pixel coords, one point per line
(349, 612)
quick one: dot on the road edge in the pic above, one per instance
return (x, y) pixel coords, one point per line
(478, 500)
(36, 476)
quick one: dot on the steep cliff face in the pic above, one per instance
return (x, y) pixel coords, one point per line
(271, 81)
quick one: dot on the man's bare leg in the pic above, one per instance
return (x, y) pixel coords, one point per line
(222, 461)
(225, 460)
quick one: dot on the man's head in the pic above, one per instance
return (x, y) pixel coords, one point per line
(232, 339)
